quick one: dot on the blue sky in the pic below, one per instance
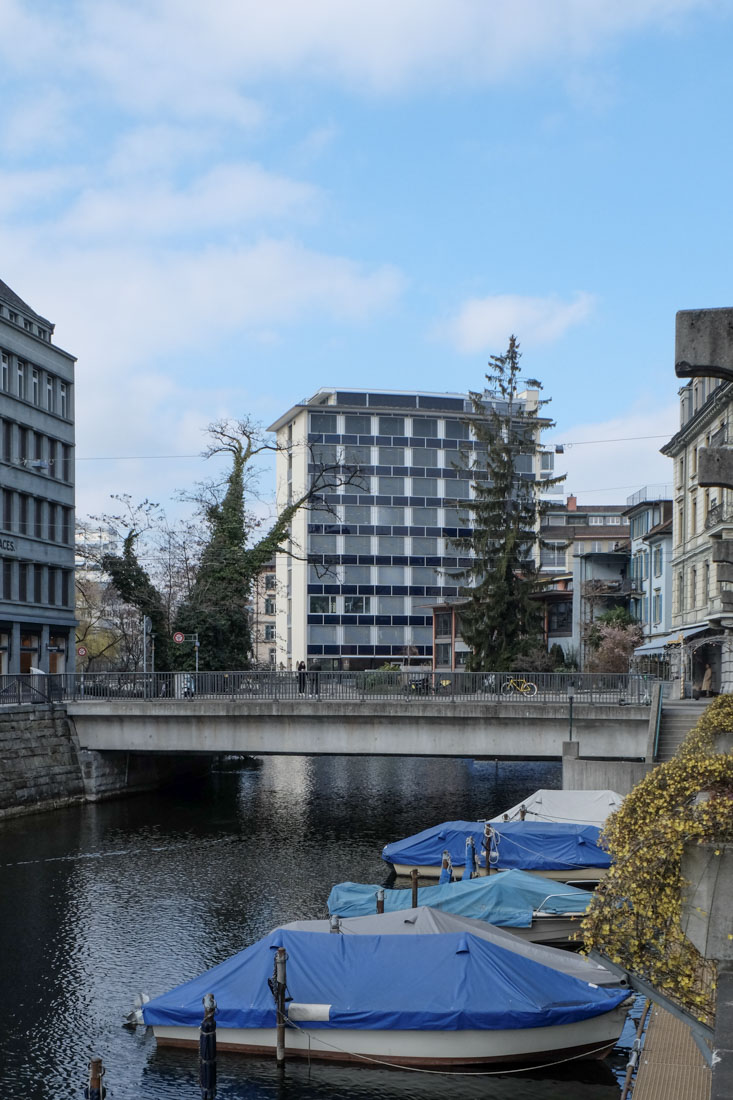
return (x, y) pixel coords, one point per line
(225, 206)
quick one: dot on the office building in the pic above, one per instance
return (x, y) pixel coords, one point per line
(373, 554)
(37, 490)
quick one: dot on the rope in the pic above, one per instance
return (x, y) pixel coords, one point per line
(532, 852)
(446, 1073)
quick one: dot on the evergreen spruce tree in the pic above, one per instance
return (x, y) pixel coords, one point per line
(502, 620)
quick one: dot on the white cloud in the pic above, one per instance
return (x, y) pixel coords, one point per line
(482, 323)
(608, 460)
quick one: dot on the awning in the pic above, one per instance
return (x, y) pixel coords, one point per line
(658, 645)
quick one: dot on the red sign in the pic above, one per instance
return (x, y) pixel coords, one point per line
(81, 651)
(178, 637)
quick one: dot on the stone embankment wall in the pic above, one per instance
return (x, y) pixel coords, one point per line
(39, 760)
(42, 766)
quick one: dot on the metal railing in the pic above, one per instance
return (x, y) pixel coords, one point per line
(414, 685)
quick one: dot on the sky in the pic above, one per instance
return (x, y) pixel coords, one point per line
(225, 206)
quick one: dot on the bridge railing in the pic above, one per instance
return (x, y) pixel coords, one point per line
(418, 685)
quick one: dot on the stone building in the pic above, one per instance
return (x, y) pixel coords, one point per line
(264, 618)
(37, 490)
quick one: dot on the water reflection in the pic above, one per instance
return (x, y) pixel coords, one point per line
(99, 902)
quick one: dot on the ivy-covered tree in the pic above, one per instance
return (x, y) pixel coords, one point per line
(501, 619)
(136, 588)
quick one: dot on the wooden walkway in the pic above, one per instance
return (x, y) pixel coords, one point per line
(670, 1066)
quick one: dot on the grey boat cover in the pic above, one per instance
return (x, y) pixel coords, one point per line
(569, 807)
(426, 921)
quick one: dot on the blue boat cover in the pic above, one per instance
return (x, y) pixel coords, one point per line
(456, 981)
(426, 849)
(508, 899)
(530, 845)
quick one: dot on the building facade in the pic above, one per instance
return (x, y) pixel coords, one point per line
(37, 486)
(649, 512)
(264, 618)
(701, 518)
(373, 555)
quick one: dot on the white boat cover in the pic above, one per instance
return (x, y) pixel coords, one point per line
(570, 807)
(426, 921)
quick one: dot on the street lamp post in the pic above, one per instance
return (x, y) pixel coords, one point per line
(571, 697)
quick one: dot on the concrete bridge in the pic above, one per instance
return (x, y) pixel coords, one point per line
(617, 742)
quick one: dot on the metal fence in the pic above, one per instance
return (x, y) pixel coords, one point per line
(416, 685)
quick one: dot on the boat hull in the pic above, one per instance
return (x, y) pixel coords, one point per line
(592, 1038)
(575, 875)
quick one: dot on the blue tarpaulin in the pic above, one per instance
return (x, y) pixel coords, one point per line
(508, 899)
(528, 845)
(456, 981)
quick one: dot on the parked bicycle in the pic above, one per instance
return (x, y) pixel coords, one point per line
(518, 686)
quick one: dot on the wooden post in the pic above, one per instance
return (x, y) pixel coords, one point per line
(380, 899)
(95, 1090)
(413, 876)
(280, 960)
(335, 924)
(207, 1049)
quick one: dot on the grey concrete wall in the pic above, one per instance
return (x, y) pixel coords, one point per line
(110, 774)
(381, 728)
(599, 775)
(39, 760)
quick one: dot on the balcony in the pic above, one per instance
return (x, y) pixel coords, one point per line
(717, 515)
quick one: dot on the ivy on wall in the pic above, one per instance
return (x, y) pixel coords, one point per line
(634, 918)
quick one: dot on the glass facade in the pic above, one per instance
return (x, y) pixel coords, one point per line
(381, 551)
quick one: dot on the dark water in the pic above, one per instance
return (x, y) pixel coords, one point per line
(99, 902)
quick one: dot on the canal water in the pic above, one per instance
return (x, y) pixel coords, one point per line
(100, 902)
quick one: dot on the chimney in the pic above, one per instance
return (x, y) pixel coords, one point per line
(572, 504)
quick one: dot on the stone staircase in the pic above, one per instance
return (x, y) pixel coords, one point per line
(678, 718)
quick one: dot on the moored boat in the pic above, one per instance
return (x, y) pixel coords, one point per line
(525, 904)
(559, 850)
(467, 1001)
(571, 806)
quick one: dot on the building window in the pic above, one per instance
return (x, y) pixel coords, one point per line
(657, 606)
(7, 580)
(657, 561)
(5, 375)
(269, 607)
(456, 429)
(391, 425)
(324, 422)
(356, 605)
(392, 486)
(38, 518)
(65, 587)
(443, 624)
(357, 424)
(22, 514)
(270, 581)
(49, 393)
(37, 583)
(443, 655)
(270, 632)
(425, 426)
(424, 456)
(693, 588)
(393, 605)
(391, 456)
(323, 605)
(553, 555)
(35, 387)
(63, 399)
(52, 508)
(21, 380)
(23, 582)
(706, 583)
(7, 509)
(52, 587)
(595, 521)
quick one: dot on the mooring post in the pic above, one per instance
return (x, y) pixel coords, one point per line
(335, 924)
(380, 899)
(281, 978)
(207, 1049)
(413, 876)
(95, 1090)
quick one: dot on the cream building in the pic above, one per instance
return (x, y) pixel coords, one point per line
(701, 517)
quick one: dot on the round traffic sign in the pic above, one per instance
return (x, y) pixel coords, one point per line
(81, 651)
(178, 637)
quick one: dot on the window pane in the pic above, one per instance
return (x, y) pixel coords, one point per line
(424, 456)
(324, 454)
(392, 486)
(390, 514)
(391, 605)
(425, 486)
(356, 605)
(456, 429)
(425, 425)
(357, 574)
(391, 544)
(356, 455)
(356, 424)
(391, 425)
(324, 422)
(391, 574)
(391, 456)
(323, 544)
(422, 545)
(357, 513)
(425, 517)
(357, 544)
(391, 635)
(322, 633)
(321, 605)
(356, 635)
(324, 574)
(422, 635)
(424, 575)
(458, 490)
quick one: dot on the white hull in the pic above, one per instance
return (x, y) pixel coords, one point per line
(576, 874)
(593, 1038)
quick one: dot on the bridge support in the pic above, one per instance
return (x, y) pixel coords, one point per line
(110, 774)
(594, 774)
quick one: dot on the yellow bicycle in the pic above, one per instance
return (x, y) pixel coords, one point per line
(519, 686)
